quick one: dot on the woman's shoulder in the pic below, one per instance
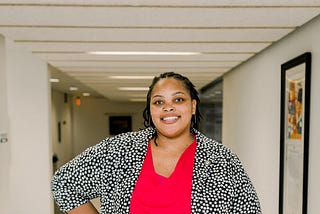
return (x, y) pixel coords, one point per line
(218, 155)
(214, 148)
(117, 146)
(124, 140)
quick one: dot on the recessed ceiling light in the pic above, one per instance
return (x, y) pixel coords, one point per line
(86, 94)
(131, 77)
(133, 88)
(54, 80)
(73, 88)
(141, 53)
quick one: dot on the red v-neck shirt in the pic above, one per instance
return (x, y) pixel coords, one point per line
(155, 194)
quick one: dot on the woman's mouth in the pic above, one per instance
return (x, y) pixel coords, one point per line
(171, 118)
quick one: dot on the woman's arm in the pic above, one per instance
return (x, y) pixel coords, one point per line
(79, 181)
(86, 208)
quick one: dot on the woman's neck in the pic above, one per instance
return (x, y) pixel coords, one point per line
(180, 142)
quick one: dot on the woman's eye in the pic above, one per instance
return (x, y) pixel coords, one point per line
(158, 102)
(179, 100)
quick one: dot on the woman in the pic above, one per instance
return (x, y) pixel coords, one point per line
(169, 167)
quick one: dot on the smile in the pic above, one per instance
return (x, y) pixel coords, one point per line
(170, 118)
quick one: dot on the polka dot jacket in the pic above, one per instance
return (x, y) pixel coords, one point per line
(110, 169)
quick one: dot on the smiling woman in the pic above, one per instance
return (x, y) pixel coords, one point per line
(169, 167)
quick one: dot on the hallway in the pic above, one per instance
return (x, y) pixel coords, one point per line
(32, 51)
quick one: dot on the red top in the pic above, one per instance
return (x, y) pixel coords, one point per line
(157, 194)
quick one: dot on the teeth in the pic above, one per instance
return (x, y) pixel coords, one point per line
(170, 118)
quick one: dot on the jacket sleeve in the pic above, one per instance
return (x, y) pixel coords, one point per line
(78, 181)
(245, 198)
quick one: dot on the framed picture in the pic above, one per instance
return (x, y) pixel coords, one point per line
(294, 135)
(119, 124)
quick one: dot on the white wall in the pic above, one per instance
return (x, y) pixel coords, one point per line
(4, 147)
(29, 169)
(91, 120)
(61, 112)
(86, 125)
(251, 114)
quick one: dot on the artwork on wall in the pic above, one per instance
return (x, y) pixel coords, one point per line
(119, 124)
(294, 134)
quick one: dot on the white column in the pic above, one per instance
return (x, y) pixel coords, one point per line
(4, 144)
(30, 164)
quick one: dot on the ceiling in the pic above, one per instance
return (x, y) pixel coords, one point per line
(218, 36)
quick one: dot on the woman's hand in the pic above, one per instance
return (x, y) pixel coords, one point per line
(86, 208)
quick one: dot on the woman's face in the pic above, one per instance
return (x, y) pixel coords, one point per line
(171, 107)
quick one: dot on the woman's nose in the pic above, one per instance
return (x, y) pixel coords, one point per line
(168, 108)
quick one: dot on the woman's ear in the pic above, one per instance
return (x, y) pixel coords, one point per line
(194, 106)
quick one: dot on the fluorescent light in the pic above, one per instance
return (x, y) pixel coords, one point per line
(141, 53)
(73, 88)
(54, 80)
(86, 94)
(133, 88)
(131, 77)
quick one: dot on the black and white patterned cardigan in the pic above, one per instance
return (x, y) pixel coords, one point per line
(110, 169)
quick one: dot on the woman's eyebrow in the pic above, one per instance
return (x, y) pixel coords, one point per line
(178, 92)
(160, 96)
(156, 96)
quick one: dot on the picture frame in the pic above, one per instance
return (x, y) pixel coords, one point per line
(119, 124)
(294, 134)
